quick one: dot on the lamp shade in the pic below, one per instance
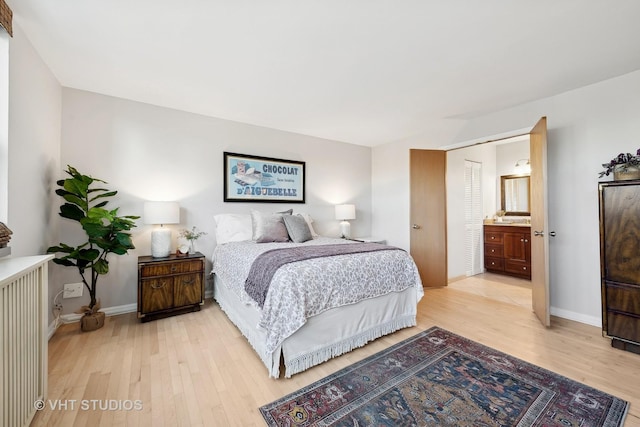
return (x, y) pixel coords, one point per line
(344, 212)
(161, 213)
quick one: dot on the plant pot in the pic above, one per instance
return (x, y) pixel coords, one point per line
(92, 321)
(626, 175)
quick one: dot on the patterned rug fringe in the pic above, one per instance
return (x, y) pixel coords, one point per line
(306, 361)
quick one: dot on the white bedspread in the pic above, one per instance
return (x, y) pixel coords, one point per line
(304, 289)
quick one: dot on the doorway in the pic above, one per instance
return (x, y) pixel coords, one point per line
(539, 218)
(493, 160)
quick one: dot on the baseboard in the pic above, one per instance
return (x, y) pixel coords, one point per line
(577, 317)
(108, 311)
(52, 329)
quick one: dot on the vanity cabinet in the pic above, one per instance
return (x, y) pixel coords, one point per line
(620, 262)
(507, 250)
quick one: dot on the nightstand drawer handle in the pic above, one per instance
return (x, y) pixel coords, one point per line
(173, 268)
(158, 286)
(188, 282)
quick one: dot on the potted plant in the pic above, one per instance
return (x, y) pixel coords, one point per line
(106, 233)
(625, 166)
(191, 236)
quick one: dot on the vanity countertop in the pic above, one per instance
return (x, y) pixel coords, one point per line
(508, 224)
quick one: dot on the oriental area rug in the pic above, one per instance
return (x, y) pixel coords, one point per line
(439, 378)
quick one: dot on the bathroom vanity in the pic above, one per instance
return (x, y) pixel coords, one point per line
(507, 249)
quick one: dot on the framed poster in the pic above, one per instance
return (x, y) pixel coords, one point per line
(262, 179)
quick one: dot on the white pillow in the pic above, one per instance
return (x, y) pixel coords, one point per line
(233, 228)
(309, 220)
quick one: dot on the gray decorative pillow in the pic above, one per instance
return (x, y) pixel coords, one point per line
(268, 227)
(297, 227)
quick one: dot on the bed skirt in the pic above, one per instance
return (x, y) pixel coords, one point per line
(327, 335)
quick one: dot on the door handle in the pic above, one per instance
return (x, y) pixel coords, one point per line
(538, 233)
(415, 226)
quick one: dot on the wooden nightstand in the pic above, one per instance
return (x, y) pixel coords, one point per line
(171, 285)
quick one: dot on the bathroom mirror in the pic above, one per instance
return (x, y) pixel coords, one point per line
(515, 194)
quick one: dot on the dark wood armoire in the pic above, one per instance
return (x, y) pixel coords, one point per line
(620, 262)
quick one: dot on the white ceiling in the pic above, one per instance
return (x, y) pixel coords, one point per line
(360, 71)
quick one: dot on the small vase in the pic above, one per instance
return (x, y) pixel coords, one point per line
(631, 172)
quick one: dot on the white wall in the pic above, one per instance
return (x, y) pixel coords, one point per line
(34, 141)
(587, 127)
(4, 125)
(152, 153)
(34, 138)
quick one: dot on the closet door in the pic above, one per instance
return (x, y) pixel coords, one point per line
(473, 218)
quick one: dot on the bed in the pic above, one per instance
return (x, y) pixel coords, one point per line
(315, 308)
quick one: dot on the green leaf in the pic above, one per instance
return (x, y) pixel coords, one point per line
(124, 240)
(65, 262)
(72, 198)
(101, 266)
(109, 194)
(71, 211)
(96, 213)
(76, 186)
(88, 254)
(62, 248)
(95, 229)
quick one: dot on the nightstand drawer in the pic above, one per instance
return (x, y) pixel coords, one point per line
(164, 269)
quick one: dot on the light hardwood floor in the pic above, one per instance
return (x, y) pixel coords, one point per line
(197, 370)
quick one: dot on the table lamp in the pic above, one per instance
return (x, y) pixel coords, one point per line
(160, 213)
(344, 213)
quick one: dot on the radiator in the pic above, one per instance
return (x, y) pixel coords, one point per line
(23, 333)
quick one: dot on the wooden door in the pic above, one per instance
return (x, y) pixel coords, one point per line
(539, 223)
(429, 215)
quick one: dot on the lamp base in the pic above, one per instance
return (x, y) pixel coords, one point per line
(345, 229)
(160, 243)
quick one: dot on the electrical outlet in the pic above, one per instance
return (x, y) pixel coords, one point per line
(72, 290)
